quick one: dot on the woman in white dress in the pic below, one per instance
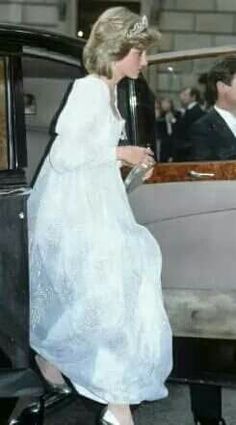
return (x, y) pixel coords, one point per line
(97, 311)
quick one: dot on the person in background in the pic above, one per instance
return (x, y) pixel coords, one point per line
(157, 107)
(190, 100)
(213, 137)
(165, 125)
(207, 101)
(97, 312)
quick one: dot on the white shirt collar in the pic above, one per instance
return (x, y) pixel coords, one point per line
(191, 105)
(228, 117)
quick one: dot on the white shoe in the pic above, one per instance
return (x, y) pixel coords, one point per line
(108, 418)
(51, 376)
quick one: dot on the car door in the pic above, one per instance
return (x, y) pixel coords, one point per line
(190, 208)
(33, 85)
(16, 378)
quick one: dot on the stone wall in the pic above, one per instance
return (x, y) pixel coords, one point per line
(189, 24)
(52, 15)
(184, 24)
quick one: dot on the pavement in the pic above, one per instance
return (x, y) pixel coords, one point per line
(174, 410)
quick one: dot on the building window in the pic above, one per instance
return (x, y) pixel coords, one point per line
(88, 12)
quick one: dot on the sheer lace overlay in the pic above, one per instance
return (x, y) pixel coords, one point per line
(96, 304)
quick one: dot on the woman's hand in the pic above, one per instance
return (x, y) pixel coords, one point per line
(133, 155)
(148, 174)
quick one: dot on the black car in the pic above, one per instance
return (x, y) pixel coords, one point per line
(37, 70)
(189, 207)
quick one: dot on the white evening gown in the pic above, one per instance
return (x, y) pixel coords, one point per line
(96, 302)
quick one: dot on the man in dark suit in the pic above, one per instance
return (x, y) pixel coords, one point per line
(213, 137)
(190, 101)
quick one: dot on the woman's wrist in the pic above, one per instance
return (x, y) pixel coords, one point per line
(120, 153)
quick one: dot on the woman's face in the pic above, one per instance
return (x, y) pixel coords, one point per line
(132, 64)
(166, 105)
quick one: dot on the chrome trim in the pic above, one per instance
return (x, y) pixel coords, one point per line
(16, 191)
(9, 115)
(133, 105)
(197, 175)
(48, 54)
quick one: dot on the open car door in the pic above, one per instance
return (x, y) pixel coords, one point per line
(16, 377)
(190, 207)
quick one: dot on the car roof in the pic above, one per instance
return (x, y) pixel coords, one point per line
(179, 55)
(19, 35)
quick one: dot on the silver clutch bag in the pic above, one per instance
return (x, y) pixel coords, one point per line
(135, 177)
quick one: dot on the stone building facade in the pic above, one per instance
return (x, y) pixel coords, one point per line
(184, 24)
(52, 15)
(188, 24)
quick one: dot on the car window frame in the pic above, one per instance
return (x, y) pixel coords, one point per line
(192, 170)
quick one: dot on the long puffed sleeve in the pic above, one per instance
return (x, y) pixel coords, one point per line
(83, 128)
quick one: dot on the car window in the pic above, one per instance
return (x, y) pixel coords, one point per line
(189, 207)
(46, 83)
(3, 117)
(182, 99)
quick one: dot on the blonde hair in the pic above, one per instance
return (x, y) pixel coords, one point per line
(114, 33)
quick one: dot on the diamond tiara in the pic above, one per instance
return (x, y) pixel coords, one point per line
(138, 27)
